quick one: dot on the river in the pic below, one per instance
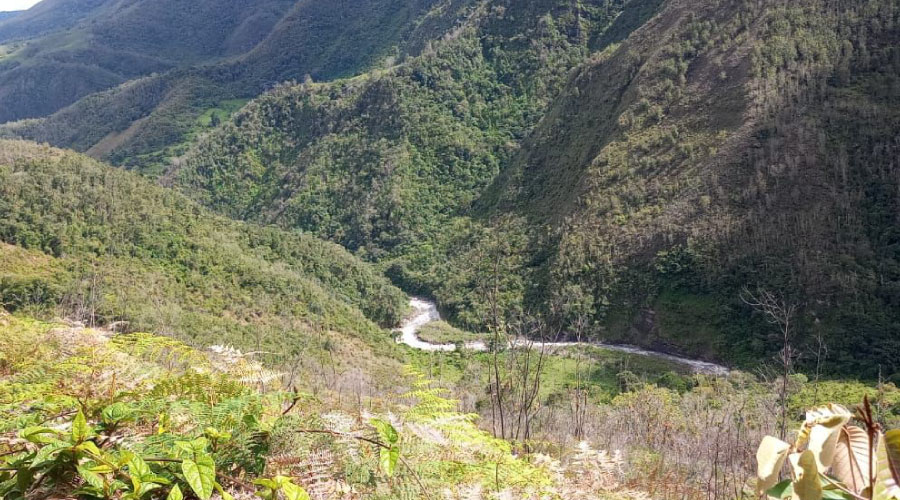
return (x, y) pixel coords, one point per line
(425, 312)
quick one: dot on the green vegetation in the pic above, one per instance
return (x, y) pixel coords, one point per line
(412, 145)
(80, 48)
(735, 144)
(716, 178)
(140, 416)
(100, 245)
(441, 332)
(174, 65)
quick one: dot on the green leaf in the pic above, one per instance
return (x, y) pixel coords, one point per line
(294, 492)
(216, 435)
(389, 458)
(138, 467)
(175, 494)
(116, 412)
(199, 445)
(80, 428)
(266, 483)
(386, 431)
(183, 448)
(153, 478)
(200, 475)
(783, 489)
(147, 488)
(90, 448)
(39, 435)
(47, 453)
(224, 494)
(100, 469)
(91, 478)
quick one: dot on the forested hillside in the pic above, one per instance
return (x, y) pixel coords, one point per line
(155, 79)
(720, 146)
(78, 48)
(92, 243)
(457, 249)
(414, 144)
(740, 144)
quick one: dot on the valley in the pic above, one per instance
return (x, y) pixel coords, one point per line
(450, 249)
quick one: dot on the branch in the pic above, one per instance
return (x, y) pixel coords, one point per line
(373, 442)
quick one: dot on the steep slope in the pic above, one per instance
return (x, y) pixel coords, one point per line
(98, 244)
(721, 145)
(49, 16)
(75, 48)
(412, 145)
(267, 41)
(726, 145)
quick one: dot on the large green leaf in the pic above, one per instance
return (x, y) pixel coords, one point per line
(39, 435)
(90, 477)
(769, 460)
(887, 480)
(138, 467)
(386, 431)
(48, 454)
(200, 475)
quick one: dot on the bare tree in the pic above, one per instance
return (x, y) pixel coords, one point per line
(821, 354)
(526, 361)
(579, 393)
(780, 312)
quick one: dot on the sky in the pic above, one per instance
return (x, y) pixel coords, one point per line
(16, 4)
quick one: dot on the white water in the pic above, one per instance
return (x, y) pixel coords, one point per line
(425, 312)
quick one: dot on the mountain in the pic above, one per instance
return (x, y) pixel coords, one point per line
(720, 147)
(415, 143)
(634, 165)
(101, 44)
(100, 245)
(150, 75)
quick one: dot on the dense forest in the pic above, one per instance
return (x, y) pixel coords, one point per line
(456, 249)
(100, 246)
(638, 186)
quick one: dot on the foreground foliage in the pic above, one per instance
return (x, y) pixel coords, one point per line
(89, 413)
(832, 458)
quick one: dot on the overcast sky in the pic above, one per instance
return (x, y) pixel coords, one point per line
(16, 4)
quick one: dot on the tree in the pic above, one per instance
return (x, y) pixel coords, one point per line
(780, 312)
